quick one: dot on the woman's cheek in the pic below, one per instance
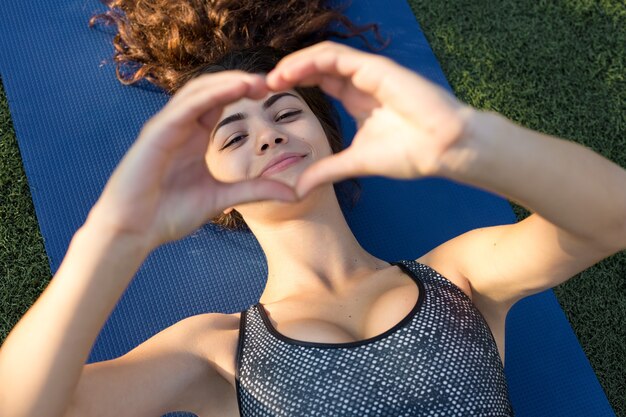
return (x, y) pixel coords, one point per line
(220, 170)
(231, 174)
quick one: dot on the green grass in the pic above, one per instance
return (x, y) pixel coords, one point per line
(24, 269)
(557, 67)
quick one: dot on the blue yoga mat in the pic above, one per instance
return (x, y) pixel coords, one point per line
(74, 121)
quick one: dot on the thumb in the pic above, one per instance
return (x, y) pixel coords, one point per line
(330, 169)
(255, 190)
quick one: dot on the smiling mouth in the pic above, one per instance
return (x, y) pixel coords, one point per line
(282, 165)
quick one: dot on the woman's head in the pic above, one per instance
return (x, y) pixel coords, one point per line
(301, 121)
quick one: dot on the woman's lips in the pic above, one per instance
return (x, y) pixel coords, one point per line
(282, 165)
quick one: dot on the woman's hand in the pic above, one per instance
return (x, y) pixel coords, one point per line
(405, 123)
(162, 189)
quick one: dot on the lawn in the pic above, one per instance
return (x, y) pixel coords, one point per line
(557, 67)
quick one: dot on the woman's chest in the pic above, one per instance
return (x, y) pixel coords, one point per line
(369, 316)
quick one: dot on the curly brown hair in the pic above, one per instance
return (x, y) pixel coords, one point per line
(169, 42)
(156, 40)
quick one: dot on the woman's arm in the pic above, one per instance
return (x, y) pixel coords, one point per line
(42, 358)
(564, 182)
(161, 191)
(578, 201)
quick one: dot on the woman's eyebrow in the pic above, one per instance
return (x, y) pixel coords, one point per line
(240, 116)
(230, 119)
(273, 99)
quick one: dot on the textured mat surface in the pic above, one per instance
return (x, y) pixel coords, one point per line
(74, 122)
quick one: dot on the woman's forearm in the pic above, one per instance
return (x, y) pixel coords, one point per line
(564, 182)
(42, 358)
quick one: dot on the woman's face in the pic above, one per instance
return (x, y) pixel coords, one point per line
(251, 133)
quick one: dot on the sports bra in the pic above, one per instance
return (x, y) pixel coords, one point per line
(440, 360)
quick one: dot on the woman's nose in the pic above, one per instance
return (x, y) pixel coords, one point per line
(270, 142)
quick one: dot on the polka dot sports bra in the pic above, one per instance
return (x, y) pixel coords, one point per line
(440, 360)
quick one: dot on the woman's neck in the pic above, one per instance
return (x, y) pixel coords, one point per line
(312, 254)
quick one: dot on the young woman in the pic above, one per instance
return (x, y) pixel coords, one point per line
(337, 331)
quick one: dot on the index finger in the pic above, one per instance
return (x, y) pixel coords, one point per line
(210, 92)
(332, 59)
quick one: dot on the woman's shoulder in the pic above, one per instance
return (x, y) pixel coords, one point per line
(210, 329)
(206, 334)
(214, 338)
(439, 261)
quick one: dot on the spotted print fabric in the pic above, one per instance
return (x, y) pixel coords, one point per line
(440, 360)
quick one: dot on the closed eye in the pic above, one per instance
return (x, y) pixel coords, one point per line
(235, 140)
(288, 114)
